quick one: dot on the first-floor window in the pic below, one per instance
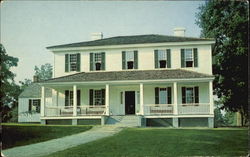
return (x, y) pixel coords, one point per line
(69, 98)
(163, 95)
(34, 105)
(190, 95)
(97, 97)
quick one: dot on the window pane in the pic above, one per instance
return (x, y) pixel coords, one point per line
(162, 55)
(188, 55)
(189, 95)
(98, 57)
(73, 61)
(71, 98)
(98, 97)
(163, 96)
(129, 56)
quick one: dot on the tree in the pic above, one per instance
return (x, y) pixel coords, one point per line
(8, 90)
(44, 72)
(218, 117)
(25, 83)
(227, 23)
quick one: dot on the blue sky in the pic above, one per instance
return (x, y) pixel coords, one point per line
(28, 27)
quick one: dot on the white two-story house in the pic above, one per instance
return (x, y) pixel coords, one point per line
(141, 80)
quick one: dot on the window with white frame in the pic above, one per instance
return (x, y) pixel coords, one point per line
(162, 96)
(189, 59)
(98, 97)
(34, 105)
(190, 95)
(73, 62)
(130, 59)
(162, 58)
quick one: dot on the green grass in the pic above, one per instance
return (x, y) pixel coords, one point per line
(153, 142)
(22, 134)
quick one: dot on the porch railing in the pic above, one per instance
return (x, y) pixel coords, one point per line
(67, 111)
(158, 109)
(194, 108)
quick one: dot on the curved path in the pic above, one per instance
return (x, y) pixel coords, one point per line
(51, 146)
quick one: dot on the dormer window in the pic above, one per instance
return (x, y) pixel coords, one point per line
(163, 58)
(72, 62)
(129, 59)
(97, 61)
(189, 58)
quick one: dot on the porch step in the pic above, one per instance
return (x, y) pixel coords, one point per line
(123, 121)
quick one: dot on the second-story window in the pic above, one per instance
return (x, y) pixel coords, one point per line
(189, 58)
(72, 62)
(162, 58)
(129, 59)
(97, 61)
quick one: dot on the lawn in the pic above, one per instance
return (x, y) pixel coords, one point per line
(152, 142)
(23, 134)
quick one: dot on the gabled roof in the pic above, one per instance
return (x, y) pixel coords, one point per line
(129, 75)
(34, 91)
(136, 39)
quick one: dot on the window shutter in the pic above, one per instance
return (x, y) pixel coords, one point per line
(195, 57)
(156, 95)
(78, 62)
(91, 92)
(136, 59)
(183, 89)
(91, 63)
(123, 60)
(103, 61)
(103, 96)
(182, 58)
(30, 104)
(66, 98)
(169, 95)
(156, 59)
(66, 62)
(78, 97)
(196, 94)
(168, 58)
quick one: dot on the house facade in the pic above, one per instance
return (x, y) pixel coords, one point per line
(143, 80)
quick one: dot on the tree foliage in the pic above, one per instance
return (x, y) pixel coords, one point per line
(9, 91)
(227, 23)
(44, 72)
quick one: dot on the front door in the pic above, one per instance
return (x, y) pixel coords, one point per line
(129, 102)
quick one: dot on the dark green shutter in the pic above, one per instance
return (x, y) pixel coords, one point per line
(183, 92)
(136, 59)
(66, 62)
(169, 95)
(196, 94)
(156, 59)
(182, 58)
(123, 60)
(91, 63)
(30, 104)
(156, 95)
(66, 98)
(78, 97)
(103, 61)
(103, 96)
(168, 58)
(91, 92)
(38, 106)
(78, 62)
(195, 57)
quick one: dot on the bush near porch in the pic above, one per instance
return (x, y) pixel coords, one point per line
(14, 134)
(151, 142)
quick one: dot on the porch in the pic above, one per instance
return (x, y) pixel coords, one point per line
(148, 98)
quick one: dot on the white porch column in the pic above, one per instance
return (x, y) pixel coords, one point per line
(141, 99)
(107, 99)
(175, 98)
(42, 101)
(74, 100)
(211, 99)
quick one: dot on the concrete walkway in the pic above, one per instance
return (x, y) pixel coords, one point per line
(51, 146)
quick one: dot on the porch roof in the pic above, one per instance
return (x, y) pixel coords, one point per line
(129, 75)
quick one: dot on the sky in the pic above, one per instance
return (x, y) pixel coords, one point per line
(28, 27)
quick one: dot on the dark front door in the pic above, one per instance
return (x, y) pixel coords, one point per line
(130, 102)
